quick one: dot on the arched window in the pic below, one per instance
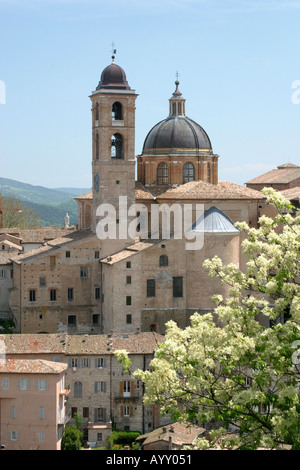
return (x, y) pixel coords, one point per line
(117, 146)
(77, 390)
(97, 147)
(162, 174)
(208, 173)
(188, 172)
(117, 112)
(97, 112)
(163, 260)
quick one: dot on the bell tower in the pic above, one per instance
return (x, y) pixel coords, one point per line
(113, 145)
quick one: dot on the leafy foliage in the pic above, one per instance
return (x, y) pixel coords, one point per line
(239, 366)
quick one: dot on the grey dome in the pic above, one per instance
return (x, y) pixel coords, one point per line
(176, 132)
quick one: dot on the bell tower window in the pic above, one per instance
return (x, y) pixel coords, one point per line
(97, 147)
(96, 114)
(188, 172)
(162, 174)
(117, 146)
(117, 111)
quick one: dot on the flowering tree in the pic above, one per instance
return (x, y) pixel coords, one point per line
(240, 365)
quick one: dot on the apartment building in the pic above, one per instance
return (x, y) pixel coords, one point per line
(32, 404)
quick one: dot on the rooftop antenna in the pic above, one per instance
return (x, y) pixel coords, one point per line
(114, 51)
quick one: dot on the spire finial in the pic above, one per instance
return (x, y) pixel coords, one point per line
(177, 78)
(114, 51)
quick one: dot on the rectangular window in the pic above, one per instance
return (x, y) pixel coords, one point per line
(52, 261)
(13, 435)
(41, 436)
(71, 320)
(42, 281)
(99, 436)
(2, 274)
(85, 412)
(5, 383)
(32, 295)
(177, 287)
(100, 415)
(128, 264)
(13, 412)
(99, 387)
(129, 319)
(128, 300)
(23, 384)
(128, 279)
(85, 362)
(100, 362)
(126, 410)
(42, 413)
(42, 384)
(97, 254)
(73, 411)
(68, 254)
(150, 288)
(70, 294)
(84, 273)
(52, 295)
(97, 293)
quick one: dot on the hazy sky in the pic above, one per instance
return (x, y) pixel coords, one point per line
(238, 61)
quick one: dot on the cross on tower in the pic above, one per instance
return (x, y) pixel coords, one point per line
(114, 51)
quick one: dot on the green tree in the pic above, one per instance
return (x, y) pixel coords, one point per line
(242, 370)
(16, 214)
(72, 437)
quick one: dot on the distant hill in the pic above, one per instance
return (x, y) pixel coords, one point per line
(50, 204)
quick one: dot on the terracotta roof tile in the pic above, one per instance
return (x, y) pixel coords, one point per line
(134, 343)
(34, 343)
(31, 366)
(282, 174)
(292, 194)
(55, 243)
(37, 235)
(202, 190)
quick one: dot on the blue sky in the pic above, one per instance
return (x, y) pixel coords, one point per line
(237, 62)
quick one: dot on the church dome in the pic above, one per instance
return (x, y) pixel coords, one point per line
(113, 77)
(177, 133)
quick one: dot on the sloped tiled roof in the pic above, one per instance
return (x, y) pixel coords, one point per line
(180, 434)
(282, 174)
(292, 193)
(55, 243)
(37, 235)
(31, 366)
(34, 343)
(129, 251)
(203, 191)
(134, 343)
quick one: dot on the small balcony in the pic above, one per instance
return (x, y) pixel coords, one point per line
(63, 418)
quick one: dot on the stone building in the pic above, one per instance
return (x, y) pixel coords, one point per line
(87, 281)
(98, 389)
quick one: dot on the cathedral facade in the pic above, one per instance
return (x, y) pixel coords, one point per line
(114, 274)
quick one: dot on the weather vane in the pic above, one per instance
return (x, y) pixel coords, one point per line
(114, 51)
